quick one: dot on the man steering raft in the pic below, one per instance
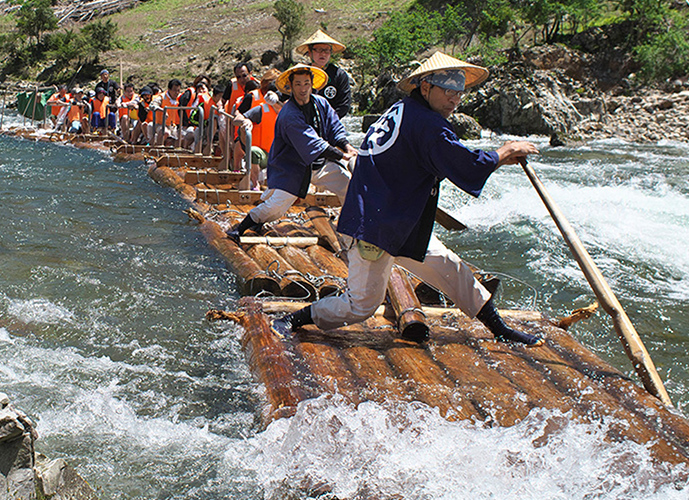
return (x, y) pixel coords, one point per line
(392, 198)
(309, 144)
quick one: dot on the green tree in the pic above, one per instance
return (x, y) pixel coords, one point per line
(101, 36)
(35, 17)
(452, 27)
(290, 15)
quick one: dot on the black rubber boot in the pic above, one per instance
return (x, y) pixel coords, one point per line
(283, 327)
(246, 224)
(489, 316)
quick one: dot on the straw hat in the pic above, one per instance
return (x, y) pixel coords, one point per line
(320, 78)
(320, 37)
(439, 62)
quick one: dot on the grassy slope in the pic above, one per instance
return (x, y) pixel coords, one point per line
(216, 31)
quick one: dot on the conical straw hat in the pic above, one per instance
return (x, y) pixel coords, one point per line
(438, 62)
(320, 78)
(320, 37)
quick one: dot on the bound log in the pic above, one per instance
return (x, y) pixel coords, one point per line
(597, 404)
(167, 177)
(671, 426)
(327, 261)
(297, 241)
(411, 320)
(321, 221)
(292, 283)
(430, 383)
(234, 197)
(300, 261)
(254, 279)
(379, 380)
(329, 371)
(492, 394)
(271, 361)
(188, 160)
(212, 177)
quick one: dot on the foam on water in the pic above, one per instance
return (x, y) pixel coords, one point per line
(409, 451)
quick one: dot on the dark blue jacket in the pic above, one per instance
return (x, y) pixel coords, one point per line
(297, 145)
(393, 194)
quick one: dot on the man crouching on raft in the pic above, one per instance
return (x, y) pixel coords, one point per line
(392, 198)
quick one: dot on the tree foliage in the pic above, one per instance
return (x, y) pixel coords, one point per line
(290, 15)
(36, 17)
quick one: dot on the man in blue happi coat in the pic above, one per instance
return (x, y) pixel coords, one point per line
(392, 199)
(309, 147)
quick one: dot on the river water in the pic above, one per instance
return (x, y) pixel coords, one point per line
(105, 282)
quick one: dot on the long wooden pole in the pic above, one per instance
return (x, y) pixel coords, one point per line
(633, 346)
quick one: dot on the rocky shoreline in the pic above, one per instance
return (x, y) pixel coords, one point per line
(27, 475)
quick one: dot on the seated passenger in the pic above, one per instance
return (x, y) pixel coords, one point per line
(78, 114)
(143, 130)
(262, 119)
(59, 102)
(167, 133)
(102, 116)
(128, 110)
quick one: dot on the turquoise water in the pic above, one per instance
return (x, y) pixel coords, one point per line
(105, 283)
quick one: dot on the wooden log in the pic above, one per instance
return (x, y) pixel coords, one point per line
(327, 261)
(254, 279)
(596, 403)
(224, 196)
(491, 393)
(430, 383)
(329, 371)
(673, 427)
(300, 261)
(271, 361)
(297, 241)
(292, 283)
(411, 320)
(369, 366)
(321, 221)
(212, 177)
(168, 177)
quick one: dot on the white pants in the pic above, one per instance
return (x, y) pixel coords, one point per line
(367, 285)
(276, 202)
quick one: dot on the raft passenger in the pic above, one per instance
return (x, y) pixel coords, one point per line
(143, 130)
(392, 200)
(169, 130)
(102, 116)
(78, 115)
(261, 120)
(59, 102)
(319, 47)
(310, 141)
(128, 111)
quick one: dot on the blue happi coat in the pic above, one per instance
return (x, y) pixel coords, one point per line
(393, 194)
(297, 145)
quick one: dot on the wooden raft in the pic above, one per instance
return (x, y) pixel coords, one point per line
(460, 370)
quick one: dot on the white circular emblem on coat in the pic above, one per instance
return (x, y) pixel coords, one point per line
(330, 92)
(383, 133)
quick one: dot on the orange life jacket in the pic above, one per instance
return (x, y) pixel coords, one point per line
(237, 92)
(101, 106)
(172, 115)
(75, 113)
(133, 113)
(149, 115)
(262, 134)
(55, 110)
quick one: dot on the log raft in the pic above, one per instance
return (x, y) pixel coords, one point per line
(460, 370)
